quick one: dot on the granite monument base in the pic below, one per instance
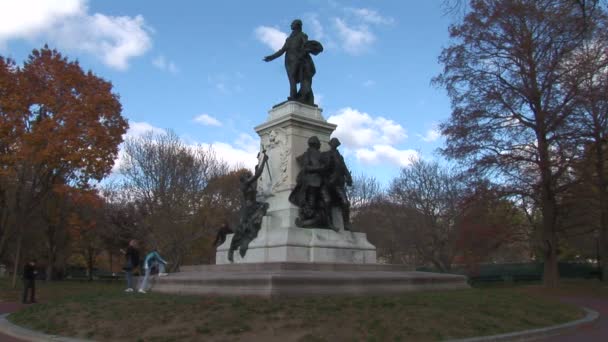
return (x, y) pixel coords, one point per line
(302, 245)
(302, 279)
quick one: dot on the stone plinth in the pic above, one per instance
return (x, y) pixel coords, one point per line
(277, 244)
(302, 279)
(284, 136)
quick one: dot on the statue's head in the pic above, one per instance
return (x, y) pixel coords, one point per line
(245, 175)
(296, 25)
(314, 142)
(334, 142)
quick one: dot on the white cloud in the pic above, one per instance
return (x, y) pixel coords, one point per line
(369, 83)
(165, 65)
(234, 156)
(371, 139)
(431, 135)
(371, 16)
(381, 154)
(242, 153)
(207, 120)
(355, 40)
(358, 129)
(247, 142)
(316, 28)
(137, 129)
(113, 39)
(272, 37)
(27, 18)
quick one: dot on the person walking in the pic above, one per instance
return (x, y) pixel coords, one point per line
(29, 281)
(153, 259)
(131, 263)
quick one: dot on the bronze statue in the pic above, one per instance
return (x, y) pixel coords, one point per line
(310, 194)
(251, 212)
(336, 177)
(298, 63)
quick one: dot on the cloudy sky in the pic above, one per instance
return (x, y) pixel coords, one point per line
(196, 67)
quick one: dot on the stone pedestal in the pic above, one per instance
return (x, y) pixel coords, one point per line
(284, 136)
(303, 279)
(276, 244)
(285, 260)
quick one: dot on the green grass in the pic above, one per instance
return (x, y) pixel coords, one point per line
(104, 312)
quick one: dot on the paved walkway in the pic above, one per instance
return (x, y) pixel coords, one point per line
(588, 333)
(8, 307)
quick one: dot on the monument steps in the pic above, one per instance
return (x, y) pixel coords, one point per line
(302, 279)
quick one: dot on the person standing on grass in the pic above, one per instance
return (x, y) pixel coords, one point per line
(153, 259)
(131, 263)
(29, 281)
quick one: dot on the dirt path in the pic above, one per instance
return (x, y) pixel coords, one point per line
(8, 307)
(597, 331)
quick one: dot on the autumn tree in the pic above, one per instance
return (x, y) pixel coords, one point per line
(428, 196)
(509, 75)
(120, 220)
(167, 179)
(84, 225)
(365, 189)
(57, 124)
(488, 222)
(387, 225)
(591, 117)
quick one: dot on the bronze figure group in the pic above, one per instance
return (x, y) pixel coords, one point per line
(321, 185)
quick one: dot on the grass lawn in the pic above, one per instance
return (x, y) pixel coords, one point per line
(102, 311)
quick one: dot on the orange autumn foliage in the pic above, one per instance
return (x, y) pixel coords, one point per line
(58, 125)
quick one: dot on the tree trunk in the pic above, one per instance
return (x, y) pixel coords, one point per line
(551, 271)
(548, 207)
(110, 257)
(17, 259)
(51, 252)
(603, 253)
(90, 264)
(602, 244)
(50, 266)
(4, 233)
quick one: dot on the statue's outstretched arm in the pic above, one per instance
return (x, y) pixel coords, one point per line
(275, 55)
(258, 170)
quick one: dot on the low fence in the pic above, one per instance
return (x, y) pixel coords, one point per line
(521, 272)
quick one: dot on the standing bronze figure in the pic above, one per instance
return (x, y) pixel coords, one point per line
(298, 63)
(310, 194)
(336, 179)
(251, 213)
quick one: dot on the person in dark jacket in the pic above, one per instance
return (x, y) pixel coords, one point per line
(131, 263)
(29, 281)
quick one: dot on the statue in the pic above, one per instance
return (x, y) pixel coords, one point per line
(337, 176)
(298, 63)
(310, 194)
(251, 212)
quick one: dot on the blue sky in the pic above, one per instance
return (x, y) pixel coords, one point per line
(196, 67)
